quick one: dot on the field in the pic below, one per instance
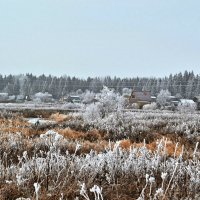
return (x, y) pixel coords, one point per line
(122, 155)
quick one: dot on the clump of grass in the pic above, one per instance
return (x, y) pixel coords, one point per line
(125, 144)
(60, 117)
(70, 134)
(92, 135)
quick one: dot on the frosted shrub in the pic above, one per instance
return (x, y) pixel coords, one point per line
(163, 97)
(88, 97)
(159, 193)
(97, 192)
(92, 113)
(83, 192)
(110, 101)
(152, 106)
(43, 97)
(135, 106)
(51, 136)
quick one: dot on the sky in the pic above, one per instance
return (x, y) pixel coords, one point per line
(124, 38)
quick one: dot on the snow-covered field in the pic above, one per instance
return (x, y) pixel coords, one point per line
(39, 105)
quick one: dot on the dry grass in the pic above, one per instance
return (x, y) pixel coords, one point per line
(92, 139)
(60, 117)
(18, 125)
(170, 147)
(92, 135)
(89, 139)
(87, 146)
(125, 144)
(70, 134)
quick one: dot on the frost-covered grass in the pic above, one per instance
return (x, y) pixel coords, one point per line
(122, 155)
(135, 173)
(138, 126)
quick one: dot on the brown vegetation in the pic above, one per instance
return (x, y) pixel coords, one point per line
(60, 117)
(89, 139)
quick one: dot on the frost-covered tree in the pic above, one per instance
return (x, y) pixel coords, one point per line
(187, 106)
(190, 88)
(88, 97)
(152, 106)
(162, 97)
(110, 100)
(44, 97)
(92, 113)
(187, 84)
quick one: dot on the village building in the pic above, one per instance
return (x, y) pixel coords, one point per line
(140, 98)
(73, 99)
(153, 98)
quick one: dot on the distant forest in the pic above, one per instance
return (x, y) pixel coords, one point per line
(186, 84)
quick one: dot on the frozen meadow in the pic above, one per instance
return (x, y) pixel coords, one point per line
(102, 151)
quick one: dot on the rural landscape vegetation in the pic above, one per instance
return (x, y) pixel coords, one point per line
(99, 100)
(66, 138)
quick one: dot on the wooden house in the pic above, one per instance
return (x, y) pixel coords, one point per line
(140, 97)
(73, 99)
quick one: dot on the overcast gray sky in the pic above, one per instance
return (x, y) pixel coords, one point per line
(84, 38)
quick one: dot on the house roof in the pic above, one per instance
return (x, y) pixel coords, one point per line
(141, 95)
(189, 101)
(73, 96)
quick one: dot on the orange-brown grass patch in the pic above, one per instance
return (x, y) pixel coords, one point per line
(60, 117)
(87, 146)
(14, 125)
(71, 134)
(18, 125)
(92, 135)
(170, 147)
(13, 122)
(125, 144)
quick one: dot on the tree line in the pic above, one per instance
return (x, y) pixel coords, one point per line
(186, 85)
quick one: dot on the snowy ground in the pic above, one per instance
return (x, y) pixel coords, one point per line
(38, 106)
(40, 120)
